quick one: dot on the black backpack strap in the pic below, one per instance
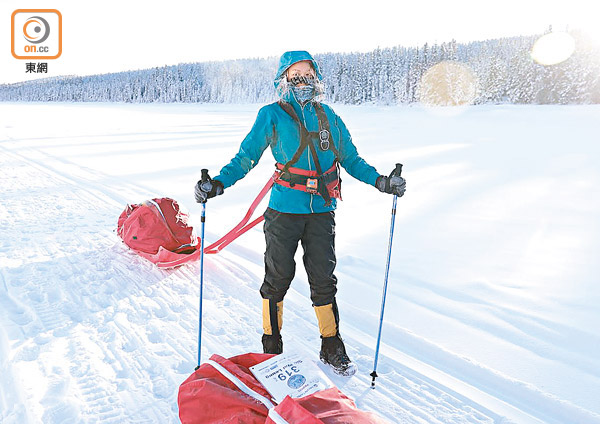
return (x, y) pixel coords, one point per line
(304, 136)
(325, 131)
(321, 187)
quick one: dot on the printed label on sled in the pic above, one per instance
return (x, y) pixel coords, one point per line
(290, 374)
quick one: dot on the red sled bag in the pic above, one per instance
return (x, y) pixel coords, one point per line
(225, 391)
(158, 230)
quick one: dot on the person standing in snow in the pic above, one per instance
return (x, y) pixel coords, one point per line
(309, 141)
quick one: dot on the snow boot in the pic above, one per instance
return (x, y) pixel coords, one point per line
(272, 344)
(272, 321)
(333, 353)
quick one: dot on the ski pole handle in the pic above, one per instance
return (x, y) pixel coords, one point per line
(398, 169)
(204, 178)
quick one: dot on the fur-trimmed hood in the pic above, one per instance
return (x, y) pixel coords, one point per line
(288, 59)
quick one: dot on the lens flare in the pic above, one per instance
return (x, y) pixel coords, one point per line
(448, 84)
(553, 48)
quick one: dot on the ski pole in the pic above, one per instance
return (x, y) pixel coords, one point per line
(204, 178)
(396, 172)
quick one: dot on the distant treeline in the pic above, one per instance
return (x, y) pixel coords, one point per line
(502, 71)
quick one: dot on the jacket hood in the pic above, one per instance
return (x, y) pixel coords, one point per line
(289, 58)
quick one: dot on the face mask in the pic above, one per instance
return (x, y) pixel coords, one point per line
(304, 94)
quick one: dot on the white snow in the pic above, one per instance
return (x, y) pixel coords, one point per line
(492, 310)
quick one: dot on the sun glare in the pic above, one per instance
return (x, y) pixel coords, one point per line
(448, 84)
(553, 48)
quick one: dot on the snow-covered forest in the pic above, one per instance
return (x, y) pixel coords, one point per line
(495, 71)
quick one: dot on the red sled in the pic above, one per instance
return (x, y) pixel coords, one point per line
(225, 391)
(158, 230)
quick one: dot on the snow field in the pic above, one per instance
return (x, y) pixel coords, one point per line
(491, 313)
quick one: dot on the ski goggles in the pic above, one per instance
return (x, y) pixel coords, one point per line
(298, 80)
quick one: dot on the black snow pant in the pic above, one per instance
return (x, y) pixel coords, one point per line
(316, 232)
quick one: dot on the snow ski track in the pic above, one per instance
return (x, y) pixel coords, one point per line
(460, 384)
(54, 168)
(418, 399)
(79, 294)
(97, 405)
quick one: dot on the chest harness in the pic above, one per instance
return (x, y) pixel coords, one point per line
(327, 184)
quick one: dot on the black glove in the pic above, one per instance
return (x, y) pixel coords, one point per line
(394, 184)
(207, 188)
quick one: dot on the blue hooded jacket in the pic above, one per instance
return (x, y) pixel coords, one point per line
(274, 128)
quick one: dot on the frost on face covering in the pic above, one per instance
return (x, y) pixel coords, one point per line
(304, 93)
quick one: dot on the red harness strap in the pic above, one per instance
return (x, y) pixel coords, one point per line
(303, 172)
(241, 228)
(333, 187)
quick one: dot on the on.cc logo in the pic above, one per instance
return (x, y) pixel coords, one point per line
(36, 30)
(36, 34)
